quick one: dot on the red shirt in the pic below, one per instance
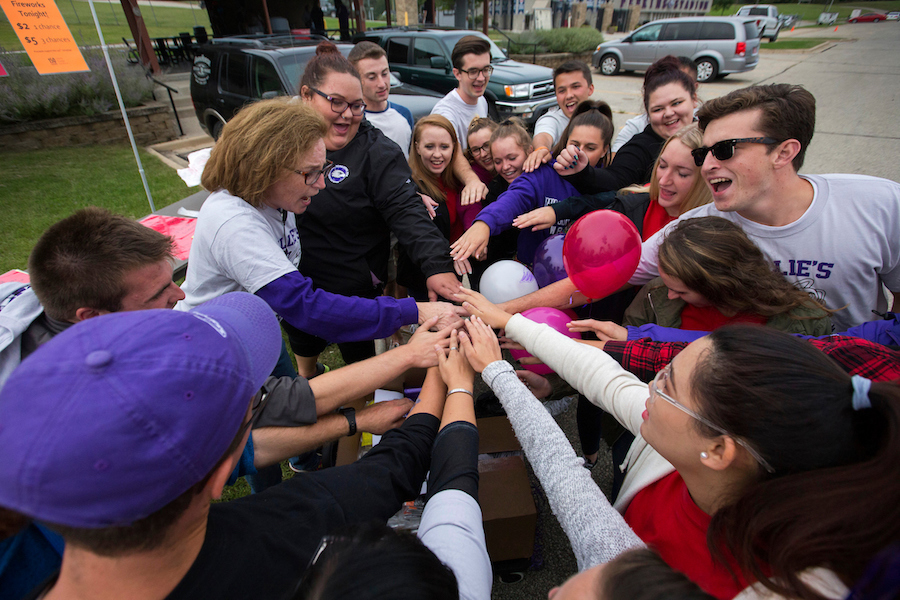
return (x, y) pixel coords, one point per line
(655, 219)
(708, 318)
(665, 517)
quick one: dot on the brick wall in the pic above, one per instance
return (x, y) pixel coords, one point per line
(149, 124)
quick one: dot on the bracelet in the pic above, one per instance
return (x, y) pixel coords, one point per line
(542, 148)
(460, 391)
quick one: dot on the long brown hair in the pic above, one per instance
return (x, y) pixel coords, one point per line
(834, 498)
(428, 183)
(714, 257)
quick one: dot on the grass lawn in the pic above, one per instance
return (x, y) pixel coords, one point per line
(810, 12)
(796, 44)
(40, 187)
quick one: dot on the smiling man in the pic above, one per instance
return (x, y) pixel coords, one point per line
(393, 120)
(573, 85)
(837, 236)
(472, 68)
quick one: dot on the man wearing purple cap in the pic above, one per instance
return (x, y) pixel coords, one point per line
(151, 410)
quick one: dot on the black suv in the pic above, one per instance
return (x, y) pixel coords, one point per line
(230, 72)
(421, 56)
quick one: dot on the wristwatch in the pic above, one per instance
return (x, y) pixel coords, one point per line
(350, 413)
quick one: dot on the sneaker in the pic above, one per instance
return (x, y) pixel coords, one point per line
(588, 464)
(320, 369)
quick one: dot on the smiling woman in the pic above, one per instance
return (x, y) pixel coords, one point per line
(268, 165)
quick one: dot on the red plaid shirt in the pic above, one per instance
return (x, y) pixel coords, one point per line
(645, 357)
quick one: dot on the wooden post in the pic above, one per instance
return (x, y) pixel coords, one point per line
(268, 21)
(484, 17)
(141, 37)
(387, 12)
(360, 16)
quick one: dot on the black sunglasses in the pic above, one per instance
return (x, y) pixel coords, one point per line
(725, 149)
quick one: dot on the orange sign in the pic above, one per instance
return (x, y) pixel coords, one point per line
(45, 36)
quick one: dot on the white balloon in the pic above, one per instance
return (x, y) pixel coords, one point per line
(506, 280)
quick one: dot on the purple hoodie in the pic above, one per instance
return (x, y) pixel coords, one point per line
(529, 191)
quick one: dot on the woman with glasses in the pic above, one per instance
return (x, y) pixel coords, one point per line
(365, 197)
(478, 151)
(266, 167)
(760, 467)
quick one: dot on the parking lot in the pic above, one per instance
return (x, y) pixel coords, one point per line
(856, 81)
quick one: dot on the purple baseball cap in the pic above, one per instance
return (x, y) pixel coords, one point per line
(119, 415)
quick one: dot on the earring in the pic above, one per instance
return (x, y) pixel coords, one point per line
(704, 455)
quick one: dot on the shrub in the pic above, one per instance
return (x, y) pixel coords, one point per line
(575, 40)
(27, 96)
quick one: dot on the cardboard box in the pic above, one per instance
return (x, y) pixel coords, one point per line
(504, 491)
(507, 506)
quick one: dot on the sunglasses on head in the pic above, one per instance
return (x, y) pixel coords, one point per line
(725, 149)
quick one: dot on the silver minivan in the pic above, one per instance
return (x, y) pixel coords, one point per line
(719, 46)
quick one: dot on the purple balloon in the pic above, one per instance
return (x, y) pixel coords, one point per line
(548, 261)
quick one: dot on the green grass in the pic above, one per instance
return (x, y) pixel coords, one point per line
(41, 187)
(796, 44)
(160, 21)
(810, 12)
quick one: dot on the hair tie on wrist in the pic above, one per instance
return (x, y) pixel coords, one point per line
(542, 148)
(861, 387)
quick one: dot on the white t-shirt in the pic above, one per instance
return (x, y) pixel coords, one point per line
(238, 248)
(393, 125)
(632, 127)
(843, 248)
(553, 123)
(460, 114)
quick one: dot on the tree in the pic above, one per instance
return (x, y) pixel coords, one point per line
(722, 5)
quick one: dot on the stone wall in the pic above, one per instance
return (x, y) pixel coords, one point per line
(553, 60)
(149, 124)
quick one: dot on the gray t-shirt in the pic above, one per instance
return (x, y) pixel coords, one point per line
(842, 249)
(553, 123)
(460, 114)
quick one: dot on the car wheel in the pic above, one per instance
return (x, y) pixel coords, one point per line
(875, 20)
(852, 21)
(707, 69)
(609, 64)
(217, 129)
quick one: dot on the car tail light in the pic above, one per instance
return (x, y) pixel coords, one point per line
(740, 49)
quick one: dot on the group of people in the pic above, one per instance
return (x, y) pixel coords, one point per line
(755, 463)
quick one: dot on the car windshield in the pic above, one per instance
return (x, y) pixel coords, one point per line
(496, 53)
(295, 63)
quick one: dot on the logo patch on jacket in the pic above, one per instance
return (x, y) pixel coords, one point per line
(338, 174)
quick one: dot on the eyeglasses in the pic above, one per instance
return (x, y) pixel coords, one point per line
(473, 72)
(311, 177)
(725, 149)
(478, 150)
(660, 382)
(339, 106)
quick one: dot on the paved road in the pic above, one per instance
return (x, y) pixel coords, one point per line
(857, 87)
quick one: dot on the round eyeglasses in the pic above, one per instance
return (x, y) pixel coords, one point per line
(339, 105)
(311, 177)
(656, 389)
(485, 148)
(474, 72)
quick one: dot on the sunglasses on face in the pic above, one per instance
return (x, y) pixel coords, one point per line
(725, 149)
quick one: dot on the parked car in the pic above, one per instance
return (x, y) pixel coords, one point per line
(230, 72)
(893, 16)
(868, 18)
(421, 56)
(719, 46)
(766, 17)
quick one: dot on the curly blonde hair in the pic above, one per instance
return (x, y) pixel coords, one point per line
(261, 145)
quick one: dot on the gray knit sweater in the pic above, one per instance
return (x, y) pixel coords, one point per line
(597, 532)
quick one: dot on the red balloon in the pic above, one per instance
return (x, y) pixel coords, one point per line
(601, 252)
(556, 319)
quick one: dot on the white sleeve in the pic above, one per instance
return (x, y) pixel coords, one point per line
(588, 369)
(550, 125)
(596, 531)
(632, 127)
(452, 528)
